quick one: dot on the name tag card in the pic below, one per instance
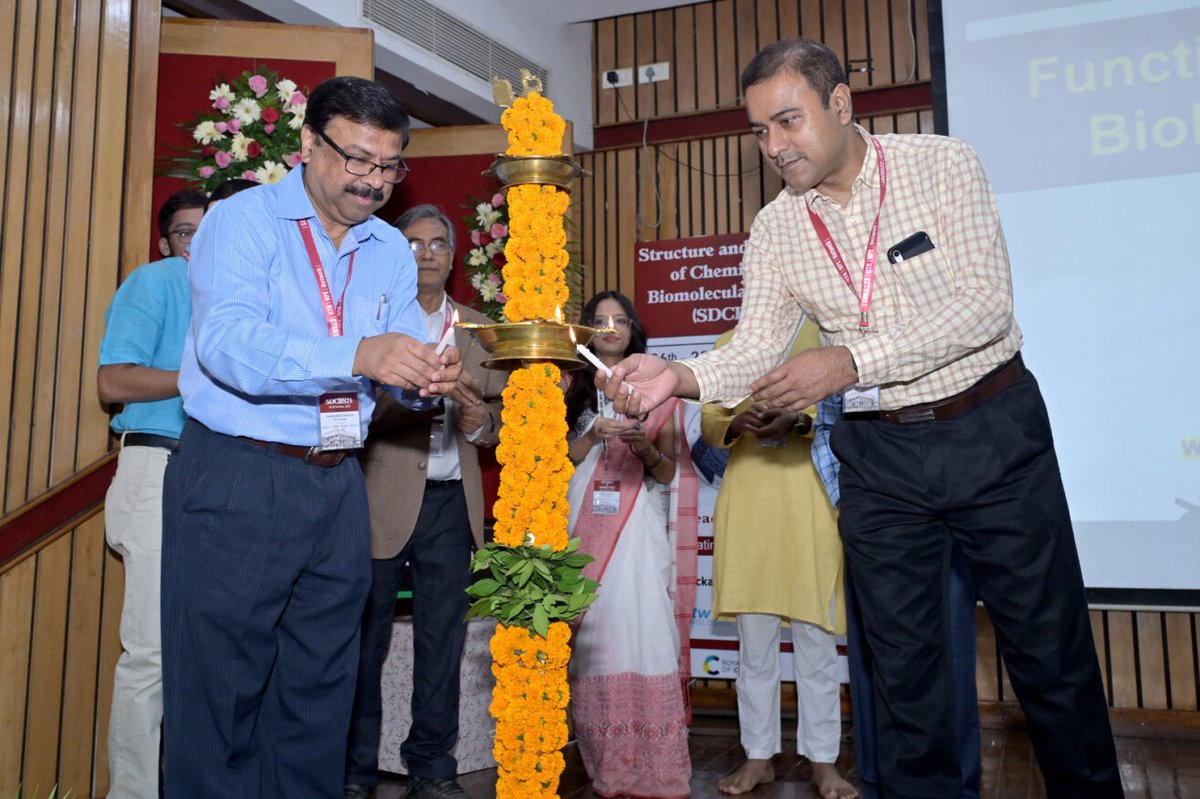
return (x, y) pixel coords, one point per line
(341, 427)
(860, 399)
(606, 497)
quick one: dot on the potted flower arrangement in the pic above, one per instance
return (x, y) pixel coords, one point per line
(252, 131)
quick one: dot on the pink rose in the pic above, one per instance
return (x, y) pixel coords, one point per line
(500, 297)
(258, 85)
(494, 279)
(297, 98)
(234, 125)
(220, 104)
(269, 128)
(475, 238)
(221, 127)
(206, 172)
(253, 149)
(293, 159)
(499, 231)
(249, 175)
(223, 158)
(497, 200)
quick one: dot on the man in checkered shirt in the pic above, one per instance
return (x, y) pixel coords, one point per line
(893, 245)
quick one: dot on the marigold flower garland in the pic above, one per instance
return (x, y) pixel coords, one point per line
(535, 582)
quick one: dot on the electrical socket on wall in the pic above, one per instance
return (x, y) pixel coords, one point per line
(616, 78)
(652, 73)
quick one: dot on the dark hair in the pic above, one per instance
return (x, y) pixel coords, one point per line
(358, 100)
(188, 198)
(807, 58)
(229, 188)
(581, 394)
(426, 211)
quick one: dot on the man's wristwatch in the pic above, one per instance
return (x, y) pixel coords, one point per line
(803, 423)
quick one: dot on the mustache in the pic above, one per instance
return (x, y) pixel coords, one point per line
(365, 191)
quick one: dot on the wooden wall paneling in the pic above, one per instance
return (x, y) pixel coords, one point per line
(767, 20)
(835, 33)
(47, 663)
(857, 36)
(16, 622)
(788, 13)
(752, 187)
(627, 96)
(1151, 665)
(724, 170)
(1181, 660)
(684, 66)
(61, 410)
(627, 223)
(82, 656)
(606, 278)
(8, 41)
(812, 13)
(139, 161)
(706, 58)
(668, 192)
(664, 50)
(745, 39)
(1099, 621)
(47, 271)
(605, 58)
(1124, 664)
(681, 153)
(648, 217)
(112, 599)
(586, 226)
(22, 295)
(920, 33)
(725, 33)
(880, 19)
(644, 44)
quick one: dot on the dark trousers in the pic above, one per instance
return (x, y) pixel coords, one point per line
(265, 572)
(960, 603)
(439, 553)
(989, 480)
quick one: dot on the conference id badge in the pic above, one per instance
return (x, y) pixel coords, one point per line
(606, 497)
(340, 424)
(439, 435)
(860, 399)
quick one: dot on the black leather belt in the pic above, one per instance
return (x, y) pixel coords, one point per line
(150, 440)
(441, 483)
(324, 458)
(988, 386)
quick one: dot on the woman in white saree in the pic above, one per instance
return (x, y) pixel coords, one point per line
(629, 668)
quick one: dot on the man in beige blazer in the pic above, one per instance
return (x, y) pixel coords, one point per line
(426, 503)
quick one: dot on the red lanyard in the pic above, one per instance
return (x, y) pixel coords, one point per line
(835, 255)
(333, 313)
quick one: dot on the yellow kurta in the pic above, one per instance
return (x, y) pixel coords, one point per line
(776, 546)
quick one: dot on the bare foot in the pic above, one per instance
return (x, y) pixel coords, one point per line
(830, 784)
(747, 777)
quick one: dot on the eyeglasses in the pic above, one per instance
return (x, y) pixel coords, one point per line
(361, 167)
(437, 247)
(183, 235)
(612, 321)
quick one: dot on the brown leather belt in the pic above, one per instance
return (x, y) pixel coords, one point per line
(313, 455)
(988, 386)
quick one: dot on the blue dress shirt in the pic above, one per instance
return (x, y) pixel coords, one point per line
(258, 354)
(145, 325)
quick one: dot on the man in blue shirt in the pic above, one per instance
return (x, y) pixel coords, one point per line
(302, 301)
(139, 362)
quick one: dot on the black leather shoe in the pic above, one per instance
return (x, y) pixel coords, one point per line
(424, 788)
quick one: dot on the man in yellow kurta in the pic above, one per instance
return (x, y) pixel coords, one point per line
(777, 557)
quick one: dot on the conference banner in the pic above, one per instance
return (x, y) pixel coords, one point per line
(688, 292)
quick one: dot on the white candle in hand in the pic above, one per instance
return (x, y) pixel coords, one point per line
(593, 360)
(448, 336)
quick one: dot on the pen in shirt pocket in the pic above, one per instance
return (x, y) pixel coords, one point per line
(382, 307)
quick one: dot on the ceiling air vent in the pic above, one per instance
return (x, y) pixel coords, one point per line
(451, 39)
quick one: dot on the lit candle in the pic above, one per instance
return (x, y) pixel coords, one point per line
(448, 336)
(588, 355)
